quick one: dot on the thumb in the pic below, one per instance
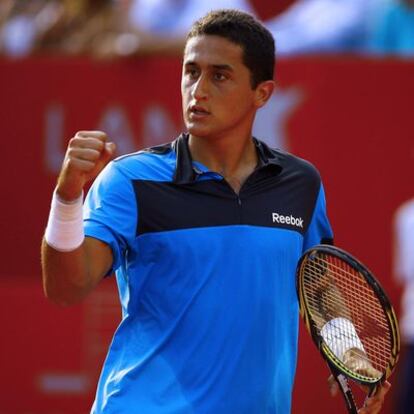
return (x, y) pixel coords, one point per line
(110, 148)
(108, 153)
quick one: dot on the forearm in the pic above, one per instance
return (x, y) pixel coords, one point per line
(65, 271)
(69, 276)
(66, 277)
(72, 265)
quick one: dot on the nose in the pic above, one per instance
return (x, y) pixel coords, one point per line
(200, 89)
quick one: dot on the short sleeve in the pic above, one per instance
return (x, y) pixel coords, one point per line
(110, 211)
(319, 230)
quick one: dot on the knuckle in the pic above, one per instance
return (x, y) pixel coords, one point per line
(72, 162)
(97, 146)
(82, 134)
(100, 134)
(71, 153)
(95, 154)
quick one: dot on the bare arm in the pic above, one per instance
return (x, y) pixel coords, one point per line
(69, 276)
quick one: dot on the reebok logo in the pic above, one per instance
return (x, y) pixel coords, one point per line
(293, 221)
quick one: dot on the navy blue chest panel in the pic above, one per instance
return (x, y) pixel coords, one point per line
(285, 200)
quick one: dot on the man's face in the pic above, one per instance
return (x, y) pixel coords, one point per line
(217, 96)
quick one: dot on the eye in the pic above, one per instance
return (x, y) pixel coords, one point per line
(192, 73)
(219, 76)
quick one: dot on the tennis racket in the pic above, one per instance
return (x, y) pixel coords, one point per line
(349, 318)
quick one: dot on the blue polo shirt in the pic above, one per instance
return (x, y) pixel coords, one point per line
(206, 280)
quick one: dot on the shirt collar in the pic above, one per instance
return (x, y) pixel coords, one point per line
(186, 172)
(268, 157)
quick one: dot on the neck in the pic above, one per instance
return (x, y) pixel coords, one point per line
(234, 158)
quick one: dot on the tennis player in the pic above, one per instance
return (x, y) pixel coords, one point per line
(203, 233)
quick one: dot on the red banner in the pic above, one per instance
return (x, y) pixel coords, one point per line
(350, 117)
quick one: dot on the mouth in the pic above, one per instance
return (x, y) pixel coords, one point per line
(198, 111)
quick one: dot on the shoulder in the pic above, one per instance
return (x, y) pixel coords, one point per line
(116, 181)
(154, 163)
(300, 165)
(292, 165)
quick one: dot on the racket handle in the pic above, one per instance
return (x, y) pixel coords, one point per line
(347, 393)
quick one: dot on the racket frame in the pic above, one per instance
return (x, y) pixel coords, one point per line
(337, 367)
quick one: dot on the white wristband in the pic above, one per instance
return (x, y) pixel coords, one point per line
(64, 231)
(340, 335)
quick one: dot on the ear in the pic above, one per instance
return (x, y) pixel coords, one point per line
(263, 92)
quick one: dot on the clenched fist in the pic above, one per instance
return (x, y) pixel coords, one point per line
(87, 154)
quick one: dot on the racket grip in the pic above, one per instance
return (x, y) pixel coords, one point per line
(347, 393)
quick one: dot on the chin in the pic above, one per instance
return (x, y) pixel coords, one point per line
(198, 131)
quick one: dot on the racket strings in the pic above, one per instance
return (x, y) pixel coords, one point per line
(370, 332)
(369, 299)
(333, 299)
(351, 299)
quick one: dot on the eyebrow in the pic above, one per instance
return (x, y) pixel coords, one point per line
(217, 66)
